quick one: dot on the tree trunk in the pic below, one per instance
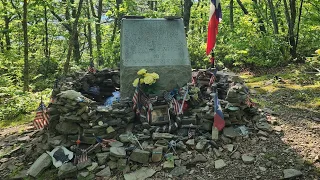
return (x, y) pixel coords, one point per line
(6, 30)
(291, 17)
(273, 17)
(231, 15)
(46, 45)
(73, 40)
(89, 32)
(186, 14)
(299, 20)
(245, 11)
(25, 37)
(260, 21)
(98, 33)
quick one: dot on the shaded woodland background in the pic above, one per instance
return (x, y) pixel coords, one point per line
(42, 40)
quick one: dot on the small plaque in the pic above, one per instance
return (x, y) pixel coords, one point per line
(159, 115)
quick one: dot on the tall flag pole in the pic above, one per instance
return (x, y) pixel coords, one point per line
(214, 20)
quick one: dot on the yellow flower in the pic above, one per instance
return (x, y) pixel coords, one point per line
(148, 79)
(141, 81)
(135, 82)
(317, 51)
(142, 72)
(155, 75)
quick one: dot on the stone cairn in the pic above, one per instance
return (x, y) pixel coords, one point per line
(80, 121)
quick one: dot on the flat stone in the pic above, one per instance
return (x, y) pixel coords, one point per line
(178, 171)
(66, 170)
(190, 142)
(110, 130)
(165, 52)
(121, 164)
(83, 174)
(104, 172)
(157, 136)
(230, 132)
(229, 147)
(217, 153)
(24, 139)
(236, 155)
(201, 145)
(177, 162)
(140, 174)
(85, 164)
(264, 126)
(116, 144)
(247, 159)
(125, 138)
(291, 173)
(226, 140)
(112, 164)
(93, 166)
(181, 145)
(277, 128)
(119, 152)
(157, 154)
(199, 158)
(218, 164)
(168, 164)
(102, 157)
(140, 156)
(263, 169)
(42, 163)
(263, 133)
(67, 128)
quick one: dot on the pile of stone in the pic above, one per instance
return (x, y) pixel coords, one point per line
(75, 116)
(96, 86)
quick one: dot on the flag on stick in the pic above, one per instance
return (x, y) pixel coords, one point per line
(219, 122)
(214, 20)
(42, 119)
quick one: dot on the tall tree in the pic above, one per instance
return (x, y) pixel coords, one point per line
(26, 46)
(89, 29)
(98, 31)
(273, 17)
(231, 15)
(186, 13)
(72, 39)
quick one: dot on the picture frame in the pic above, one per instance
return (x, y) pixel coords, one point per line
(159, 115)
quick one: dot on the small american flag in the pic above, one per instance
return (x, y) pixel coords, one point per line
(176, 106)
(42, 119)
(91, 68)
(249, 103)
(141, 101)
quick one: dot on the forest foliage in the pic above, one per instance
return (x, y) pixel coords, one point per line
(42, 40)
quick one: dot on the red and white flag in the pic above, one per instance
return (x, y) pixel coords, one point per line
(214, 20)
(42, 119)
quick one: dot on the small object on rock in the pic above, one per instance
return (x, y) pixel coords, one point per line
(218, 164)
(60, 155)
(291, 173)
(118, 152)
(214, 133)
(104, 172)
(157, 154)
(140, 156)
(247, 159)
(140, 174)
(178, 171)
(43, 162)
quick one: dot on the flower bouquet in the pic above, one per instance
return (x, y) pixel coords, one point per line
(146, 81)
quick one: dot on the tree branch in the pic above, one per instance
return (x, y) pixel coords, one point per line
(67, 26)
(92, 9)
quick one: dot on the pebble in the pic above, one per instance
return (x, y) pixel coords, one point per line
(291, 173)
(218, 164)
(262, 168)
(247, 159)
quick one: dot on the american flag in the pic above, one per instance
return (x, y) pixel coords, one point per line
(213, 76)
(218, 122)
(215, 18)
(141, 101)
(175, 106)
(42, 119)
(91, 68)
(248, 102)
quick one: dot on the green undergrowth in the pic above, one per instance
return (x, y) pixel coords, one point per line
(292, 92)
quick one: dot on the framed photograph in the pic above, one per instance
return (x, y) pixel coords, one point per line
(159, 115)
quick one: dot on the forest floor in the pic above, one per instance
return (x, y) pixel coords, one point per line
(294, 143)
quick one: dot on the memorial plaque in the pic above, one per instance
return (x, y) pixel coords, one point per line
(158, 45)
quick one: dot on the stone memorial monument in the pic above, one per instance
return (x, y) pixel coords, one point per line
(158, 45)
